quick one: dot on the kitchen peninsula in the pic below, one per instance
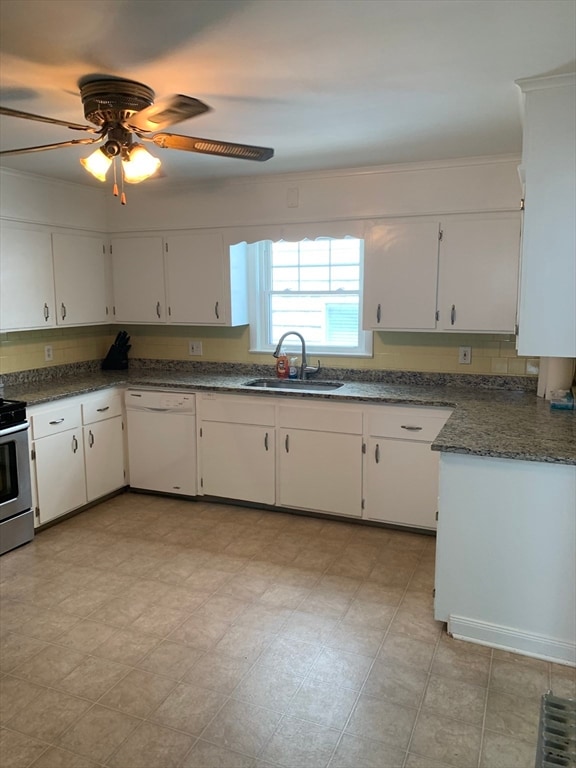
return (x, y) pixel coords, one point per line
(506, 554)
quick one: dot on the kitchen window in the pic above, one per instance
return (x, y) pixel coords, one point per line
(310, 286)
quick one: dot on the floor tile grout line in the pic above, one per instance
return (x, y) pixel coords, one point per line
(484, 714)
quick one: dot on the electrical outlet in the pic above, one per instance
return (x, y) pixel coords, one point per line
(194, 347)
(48, 354)
(465, 355)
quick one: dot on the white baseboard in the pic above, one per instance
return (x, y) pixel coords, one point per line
(507, 639)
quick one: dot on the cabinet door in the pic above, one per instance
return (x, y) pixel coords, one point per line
(401, 482)
(80, 279)
(60, 477)
(478, 277)
(320, 471)
(27, 284)
(138, 277)
(104, 453)
(400, 275)
(238, 461)
(196, 280)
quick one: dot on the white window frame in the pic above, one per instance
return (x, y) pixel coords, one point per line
(258, 264)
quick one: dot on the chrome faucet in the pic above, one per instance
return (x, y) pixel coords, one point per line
(304, 368)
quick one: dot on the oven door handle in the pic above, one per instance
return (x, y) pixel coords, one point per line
(22, 427)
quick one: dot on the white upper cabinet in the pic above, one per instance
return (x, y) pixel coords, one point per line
(27, 280)
(459, 273)
(400, 275)
(138, 278)
(205, 284)
(478, 273)
(547, 316)
(80, 279)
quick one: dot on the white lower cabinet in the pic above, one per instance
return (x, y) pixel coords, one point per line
(401, 470)
(238, 461)
(58, 459)
(77, 452)
(60, 479)
(237, 448)
(103, 434)
(320, 471)
(320, 458)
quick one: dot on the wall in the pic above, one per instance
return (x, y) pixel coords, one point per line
(242, 205)
(432, 353)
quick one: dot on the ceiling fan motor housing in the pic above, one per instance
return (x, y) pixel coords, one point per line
(109, 102)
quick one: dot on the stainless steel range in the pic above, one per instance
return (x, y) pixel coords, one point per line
(16, 516)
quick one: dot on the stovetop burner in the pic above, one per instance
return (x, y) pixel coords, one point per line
(12, 412)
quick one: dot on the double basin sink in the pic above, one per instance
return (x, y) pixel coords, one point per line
(295, 385)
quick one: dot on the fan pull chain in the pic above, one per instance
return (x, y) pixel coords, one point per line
(115, 187)
(122, 196)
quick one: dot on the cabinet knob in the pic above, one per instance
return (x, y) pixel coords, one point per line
(453, 314)
(158, 309)
(287, 443)
(46, 312)
(217, 310)
(74, 444)
(63, 310)
(378, 313)
(266, 441)
(90, 438)
(377, 454)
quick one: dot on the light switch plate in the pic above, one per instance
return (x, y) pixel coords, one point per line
(465, 355)
(194, 347)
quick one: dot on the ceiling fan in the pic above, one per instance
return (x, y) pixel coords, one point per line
(122, 110)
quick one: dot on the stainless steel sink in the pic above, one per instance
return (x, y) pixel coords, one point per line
(295, 385)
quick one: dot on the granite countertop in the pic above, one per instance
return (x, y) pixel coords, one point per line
(484, 422)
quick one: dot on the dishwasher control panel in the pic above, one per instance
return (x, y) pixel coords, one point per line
(160, 400)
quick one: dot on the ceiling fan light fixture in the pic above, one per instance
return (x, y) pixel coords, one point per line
(140, 164)
(97, 164)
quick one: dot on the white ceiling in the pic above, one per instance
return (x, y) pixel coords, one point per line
(327, 83)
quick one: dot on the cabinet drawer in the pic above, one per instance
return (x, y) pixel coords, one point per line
(406, 423)
(321, 419)
(101, 405)
(57, 419)
(237, 410)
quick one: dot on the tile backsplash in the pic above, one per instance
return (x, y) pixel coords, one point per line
(394, 351)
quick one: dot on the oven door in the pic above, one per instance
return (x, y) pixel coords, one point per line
(15, 493)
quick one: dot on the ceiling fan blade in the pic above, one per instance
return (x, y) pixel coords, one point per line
(167, 111)
(43, 147)
(212, 147)
(29, 116)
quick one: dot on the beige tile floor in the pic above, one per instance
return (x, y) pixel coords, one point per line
(158, 633)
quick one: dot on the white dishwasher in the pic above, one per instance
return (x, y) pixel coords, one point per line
(162, 440)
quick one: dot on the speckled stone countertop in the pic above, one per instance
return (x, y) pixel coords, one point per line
(485, 422)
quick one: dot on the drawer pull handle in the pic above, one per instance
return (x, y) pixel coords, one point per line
(158, 309)
(90, 438)
(217, 310)
(410, 428)
(453, 314)
(266, 441)
(57, 421)
(287, 443)
(378, 313)
(377, 454)
(101, 410)
(63, 310)
(74, 444)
